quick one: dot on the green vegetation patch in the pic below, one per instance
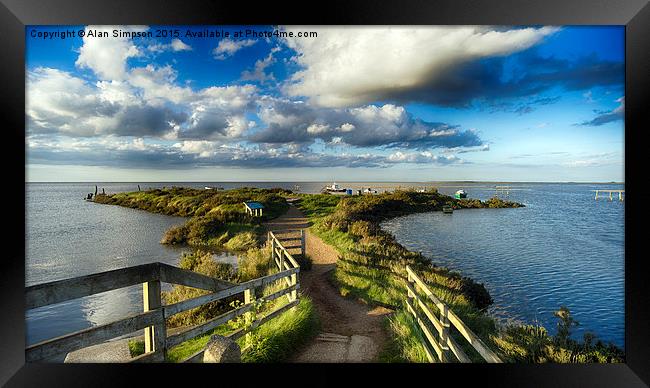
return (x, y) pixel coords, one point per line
(218, 218)
(280, 337)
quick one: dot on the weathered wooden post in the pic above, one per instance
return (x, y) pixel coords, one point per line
(610, 195)
(294, 282)
(95, 190)
(273, 248)
(444, 336)
(281, 259)
(302, 242)
(409, 279)
(248, 299)
(154, 336)
(138, 187)
(596, 195)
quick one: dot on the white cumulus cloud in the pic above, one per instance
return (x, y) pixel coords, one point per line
(228, 47)
(107, 57)
(348, 66)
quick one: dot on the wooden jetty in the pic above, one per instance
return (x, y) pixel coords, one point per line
(430, 312)
(152, 319)
(503, 190)
(611, 193)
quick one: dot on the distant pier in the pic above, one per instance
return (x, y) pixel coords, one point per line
(503, 190)
(611, 194)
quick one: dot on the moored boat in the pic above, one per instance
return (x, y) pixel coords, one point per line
(447, 209)
(334, 188)
(460, 194)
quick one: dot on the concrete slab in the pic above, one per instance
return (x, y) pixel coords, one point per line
(334, 348)
(361, 349)
(327, 352)
(107, 352)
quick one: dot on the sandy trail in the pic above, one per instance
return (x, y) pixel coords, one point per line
(351, 331)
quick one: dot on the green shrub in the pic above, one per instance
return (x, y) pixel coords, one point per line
(203, 263)
(242, 242)
(532, 343)
(253, 264)
(176, 235)
(136, 348)
(361, 229)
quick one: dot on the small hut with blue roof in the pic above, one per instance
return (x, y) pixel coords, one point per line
(254, 208)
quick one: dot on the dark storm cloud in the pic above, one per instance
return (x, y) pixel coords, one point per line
(146, 120)
(387, 126)
(482, 81)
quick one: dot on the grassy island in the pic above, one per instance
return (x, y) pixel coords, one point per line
(371, 268)
(217, 219)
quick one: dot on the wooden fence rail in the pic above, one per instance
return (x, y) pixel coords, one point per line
(279, 253)
(152, 320)
(440, 339)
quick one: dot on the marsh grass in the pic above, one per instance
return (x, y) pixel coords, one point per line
(405, 345)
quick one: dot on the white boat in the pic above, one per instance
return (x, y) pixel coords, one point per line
(460, 194)
(369, 191)
(334, 188)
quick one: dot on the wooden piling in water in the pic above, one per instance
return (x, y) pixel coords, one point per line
(611, 194)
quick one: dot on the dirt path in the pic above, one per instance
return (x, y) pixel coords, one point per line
(351, 331)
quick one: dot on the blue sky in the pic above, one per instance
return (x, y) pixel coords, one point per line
(525, 103)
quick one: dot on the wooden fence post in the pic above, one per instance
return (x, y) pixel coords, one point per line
(248, 298)
(302, 242)
(154, 336)
(294, 282)
(281, 260)
(273, 251)
(444, 336)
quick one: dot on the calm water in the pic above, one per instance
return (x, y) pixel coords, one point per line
(563, 248)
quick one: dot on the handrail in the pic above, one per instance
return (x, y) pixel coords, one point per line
(278, 255)
(153, 319)
(67, 289)
(92, 336)
(239, 288)
(63, 290)
(446, 318)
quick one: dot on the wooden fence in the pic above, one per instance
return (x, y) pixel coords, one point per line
(152, 320)
(443, 320)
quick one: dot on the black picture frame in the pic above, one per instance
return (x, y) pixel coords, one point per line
(634, 14)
